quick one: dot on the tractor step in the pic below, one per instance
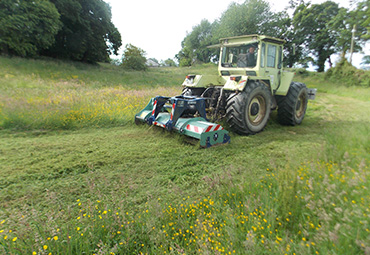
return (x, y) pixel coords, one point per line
(155, 113)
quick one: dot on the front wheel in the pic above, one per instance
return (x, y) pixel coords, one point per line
(292, 107)
(248, 112)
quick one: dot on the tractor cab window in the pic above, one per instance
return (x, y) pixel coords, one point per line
(240, 56)
(263, 52)
(271, 55)
(280, 59)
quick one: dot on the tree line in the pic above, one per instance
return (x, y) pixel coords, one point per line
(79, 30)
(313, 32)
(82, 30)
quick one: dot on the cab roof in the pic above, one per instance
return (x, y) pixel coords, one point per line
(251, 38)
(246, 39)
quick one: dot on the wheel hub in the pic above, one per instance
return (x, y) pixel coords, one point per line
(255, 108)
(298, 105)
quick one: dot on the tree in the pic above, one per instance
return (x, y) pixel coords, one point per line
(344, 23)
(293, 51)
(27, 27)
(251, 17)
(185, 56)
(194, 45)
(168, 62)
(366, 60)
(317, 28)
(87, 33)
(363, 16)
(134, 58)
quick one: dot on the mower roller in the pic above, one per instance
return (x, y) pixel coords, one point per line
(179, 114)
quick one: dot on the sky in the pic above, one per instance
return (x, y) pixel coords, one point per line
(158, 27)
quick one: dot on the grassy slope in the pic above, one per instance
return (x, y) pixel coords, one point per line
(46, 170)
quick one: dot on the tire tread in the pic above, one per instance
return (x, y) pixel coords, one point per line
(286, 105)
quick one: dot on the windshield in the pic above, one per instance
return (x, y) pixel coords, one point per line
(240, 56)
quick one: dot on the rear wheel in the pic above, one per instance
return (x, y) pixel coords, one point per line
(292, 107)
(248, 112)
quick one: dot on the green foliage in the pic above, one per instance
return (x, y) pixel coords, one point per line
(321, 30)
(366, 60)
(362, 16)
(169, 63)
(250, 17)
(69, 29)
(185, 57)
(134, 58)
(316, 31)
(87, 33)
(27, 27)
(194, 45)
(312, 35)
(343, 25)
(302, 72)
(346, 73)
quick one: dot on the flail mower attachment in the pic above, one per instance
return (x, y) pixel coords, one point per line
(181, 119)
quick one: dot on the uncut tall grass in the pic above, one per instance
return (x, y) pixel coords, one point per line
(67, 108)
(319, 208)
(45, 94)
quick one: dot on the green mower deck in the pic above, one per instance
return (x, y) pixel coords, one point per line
(181, 119)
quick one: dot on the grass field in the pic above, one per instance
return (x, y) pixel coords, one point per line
(78, 177)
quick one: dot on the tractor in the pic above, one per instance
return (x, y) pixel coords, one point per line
(250, 83)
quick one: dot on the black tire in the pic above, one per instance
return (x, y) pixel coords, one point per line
(248, 112)
(292, 107)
